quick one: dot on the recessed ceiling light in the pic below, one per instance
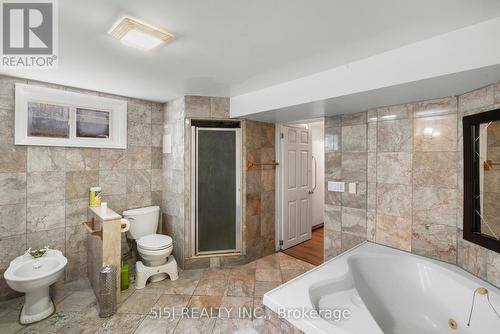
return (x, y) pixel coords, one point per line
(137, 34)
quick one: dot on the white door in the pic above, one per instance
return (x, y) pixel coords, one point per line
(296, 182)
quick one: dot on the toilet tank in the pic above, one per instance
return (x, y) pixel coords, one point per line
(143, 221)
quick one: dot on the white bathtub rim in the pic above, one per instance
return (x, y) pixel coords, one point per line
(309, 325)
(274, 302)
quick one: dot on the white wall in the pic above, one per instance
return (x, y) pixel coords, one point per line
(318, 151)
(461, 51)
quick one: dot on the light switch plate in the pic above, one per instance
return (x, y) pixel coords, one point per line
(336, 186)
(167, 143)
(352, 187)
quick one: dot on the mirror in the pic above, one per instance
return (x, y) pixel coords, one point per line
(482, 179)
(489, 178)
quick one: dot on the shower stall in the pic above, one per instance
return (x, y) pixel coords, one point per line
(215, 187)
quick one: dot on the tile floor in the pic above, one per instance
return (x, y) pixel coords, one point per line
(237, 287)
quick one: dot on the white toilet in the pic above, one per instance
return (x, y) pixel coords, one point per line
(154, 249)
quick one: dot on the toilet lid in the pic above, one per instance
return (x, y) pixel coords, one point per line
(154, 241)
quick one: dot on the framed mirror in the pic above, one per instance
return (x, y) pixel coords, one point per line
(482, 179)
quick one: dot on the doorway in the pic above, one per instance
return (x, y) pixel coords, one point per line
(300, 195)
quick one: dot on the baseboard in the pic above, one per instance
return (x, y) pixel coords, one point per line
(315, 227)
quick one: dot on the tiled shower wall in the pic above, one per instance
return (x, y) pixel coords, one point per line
(176, 168)
(258, 199)
(44, 190)
(260, 190)
(410, 181)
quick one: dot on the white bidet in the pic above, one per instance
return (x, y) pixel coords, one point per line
(33, 276)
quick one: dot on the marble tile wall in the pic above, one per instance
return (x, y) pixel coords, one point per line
(407, 163)
(44, 193)
(174, 199)
(260, 190)
(206, 107)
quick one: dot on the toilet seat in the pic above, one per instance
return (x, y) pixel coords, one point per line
(154, 250)
(154, 242)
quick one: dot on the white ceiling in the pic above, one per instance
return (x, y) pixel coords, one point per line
(232, 47)
(437, 87)
(448, 64)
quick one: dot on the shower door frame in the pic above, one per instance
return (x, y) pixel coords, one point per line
(194, 194)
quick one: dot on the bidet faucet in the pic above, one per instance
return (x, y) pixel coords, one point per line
(36, 253)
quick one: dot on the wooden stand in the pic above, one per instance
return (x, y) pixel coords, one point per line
(103, 245)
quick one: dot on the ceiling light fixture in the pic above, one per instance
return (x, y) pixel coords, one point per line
(137, 34)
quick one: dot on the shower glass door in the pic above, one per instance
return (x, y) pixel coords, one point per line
(216, 190)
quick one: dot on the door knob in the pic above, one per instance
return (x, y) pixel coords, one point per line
(311, 192)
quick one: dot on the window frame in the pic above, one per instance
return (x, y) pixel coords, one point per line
(29, 93)
(471, 224)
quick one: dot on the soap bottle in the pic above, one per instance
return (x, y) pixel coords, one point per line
(95, 196)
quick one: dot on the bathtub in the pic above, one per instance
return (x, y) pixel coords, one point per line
(378, 289)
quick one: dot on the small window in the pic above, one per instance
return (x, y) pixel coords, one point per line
(92, 123)
(53, 117)
(48, 120)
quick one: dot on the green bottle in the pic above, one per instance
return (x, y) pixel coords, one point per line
(124, 276)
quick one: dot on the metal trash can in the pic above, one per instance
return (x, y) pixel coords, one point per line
(107, 293)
